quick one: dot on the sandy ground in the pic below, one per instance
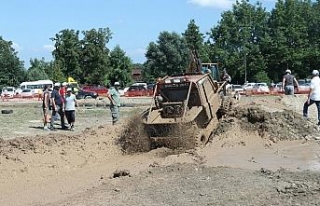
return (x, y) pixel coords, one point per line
(263, 153)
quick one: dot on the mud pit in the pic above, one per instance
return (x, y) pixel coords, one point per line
(263, 153)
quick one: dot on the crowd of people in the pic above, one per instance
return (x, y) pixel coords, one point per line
(60, 102)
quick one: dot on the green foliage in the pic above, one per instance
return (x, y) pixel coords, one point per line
(168, 56)
(261, 76)
(237, 40)
(120, 67)
(11, 68)
(85, 60)
(195, 41)
(95, 57)
(68, 52)
(37, 70)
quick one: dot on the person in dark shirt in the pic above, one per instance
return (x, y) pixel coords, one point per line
(57, 107)
(288, 83)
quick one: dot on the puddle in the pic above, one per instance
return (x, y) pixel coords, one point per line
(291, 155)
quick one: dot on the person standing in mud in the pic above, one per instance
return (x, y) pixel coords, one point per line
(57, 107)
(288, 83)
(227, 78)
(70, 108)
(314, 95)
(114, 97)
(45, 106)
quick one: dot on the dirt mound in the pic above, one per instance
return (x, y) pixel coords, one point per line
(275, 124)
(53, 146)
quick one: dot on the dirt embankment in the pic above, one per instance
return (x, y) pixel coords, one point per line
(278, 125)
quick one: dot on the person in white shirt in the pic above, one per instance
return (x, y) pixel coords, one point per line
(314, 95)
(70, 108)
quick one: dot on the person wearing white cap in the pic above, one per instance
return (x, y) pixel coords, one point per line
(288, 83)
(114, 97)
(70, 108)
(57, 106)
(314, 95)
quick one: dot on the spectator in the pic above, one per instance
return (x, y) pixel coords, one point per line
(45, 106)
(57, 107)
(288, 83)
(63, 90)
(40, 97)
(314, 95)
(70, 108)
(114, 97)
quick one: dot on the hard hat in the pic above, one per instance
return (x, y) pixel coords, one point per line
(69, 90)
(116, 84)
(57, 84)
(64, 84)
(315, 72)
(288, 71)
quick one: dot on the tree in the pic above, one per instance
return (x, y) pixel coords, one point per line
(95, 57)
(236, 41)
(168, 56)
(120, 67)
(289, 36)
(37, 70)
(11, 68)
(68, 53)
(195, 41)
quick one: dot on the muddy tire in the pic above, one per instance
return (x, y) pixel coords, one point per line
(6, 111)
(227, 103)
(201, 139)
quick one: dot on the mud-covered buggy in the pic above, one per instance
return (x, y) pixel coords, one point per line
(183, 110)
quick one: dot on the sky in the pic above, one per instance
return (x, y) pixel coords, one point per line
(30, 24)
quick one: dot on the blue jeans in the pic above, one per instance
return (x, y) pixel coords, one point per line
(306, 106)
(289, 90)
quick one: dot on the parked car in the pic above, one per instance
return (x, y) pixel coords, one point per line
(261, 87)
(27, 93)
(140, 84)
(85, 94)
(304, 86)
(100, 90)
(237, 88)
(136, 90)
(8, 92)
(248, 86)
(150, 89)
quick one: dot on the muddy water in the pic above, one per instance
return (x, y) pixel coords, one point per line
(290, 155)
